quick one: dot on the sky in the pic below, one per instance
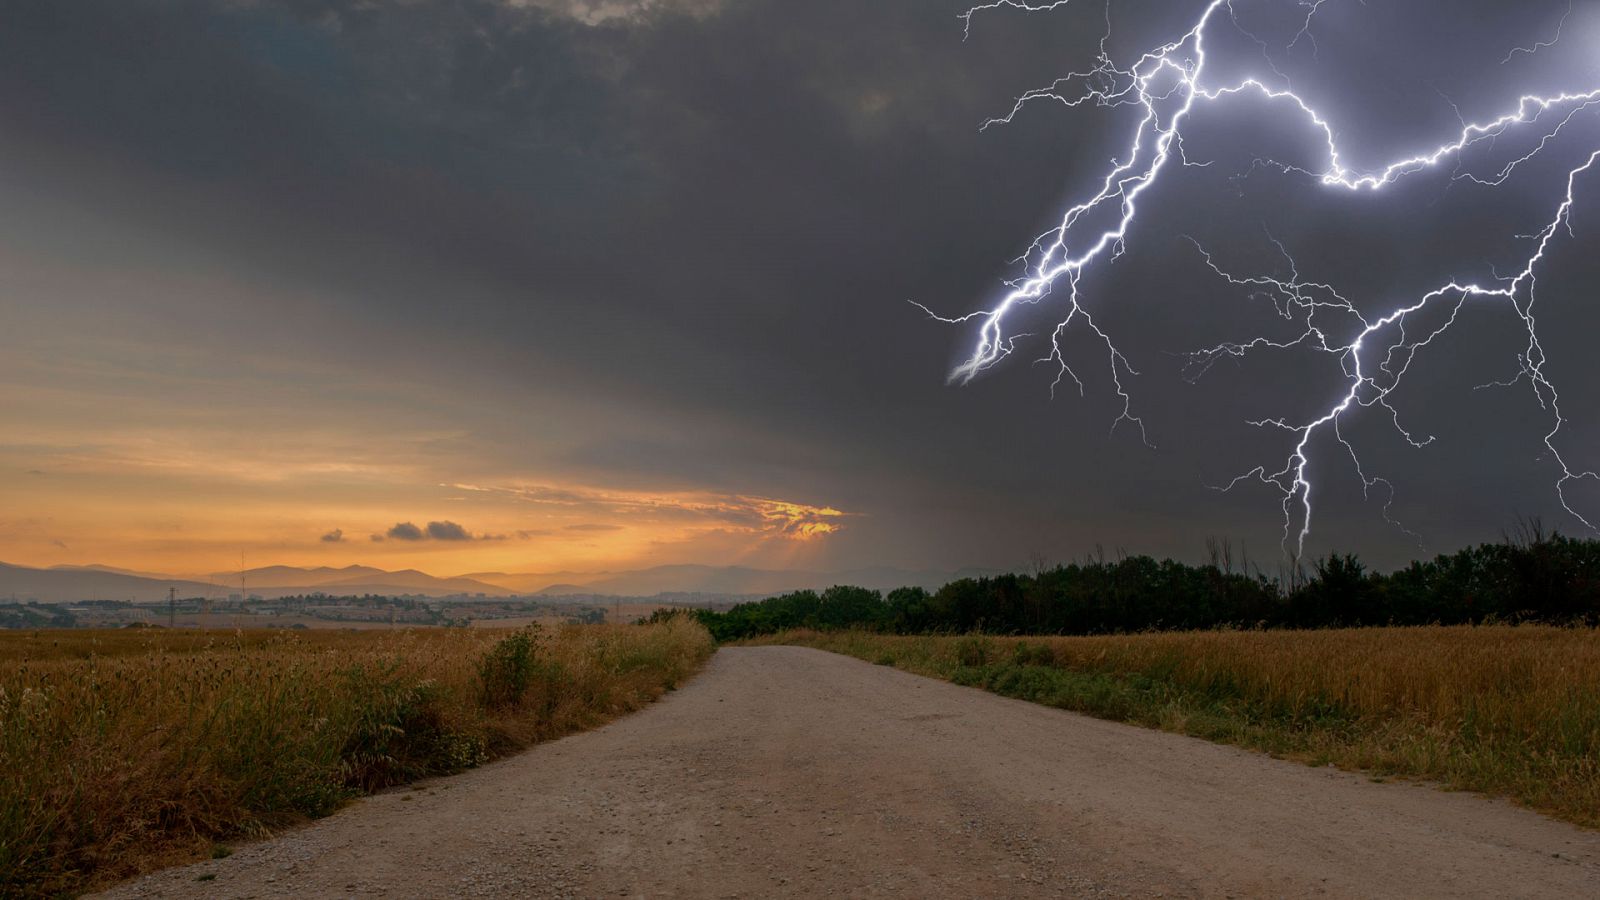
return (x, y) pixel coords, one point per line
(548, 285)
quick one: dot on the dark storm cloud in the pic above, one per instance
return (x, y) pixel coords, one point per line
(717, 215)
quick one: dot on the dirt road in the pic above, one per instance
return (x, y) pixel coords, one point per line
(783, 771)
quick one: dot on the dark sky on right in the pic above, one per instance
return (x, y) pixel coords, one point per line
(673, 246)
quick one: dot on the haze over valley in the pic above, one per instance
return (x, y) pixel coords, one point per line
(66, 584)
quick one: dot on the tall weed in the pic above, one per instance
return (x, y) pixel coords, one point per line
(121, 751)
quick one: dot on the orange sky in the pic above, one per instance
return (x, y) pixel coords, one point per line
(149, 506)
(167, 408)
(181, 464)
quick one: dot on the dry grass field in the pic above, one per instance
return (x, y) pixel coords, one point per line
(1508, 711)
(124, 750)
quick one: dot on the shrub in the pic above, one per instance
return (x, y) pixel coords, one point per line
(400, 734)
(1026, 654)
(507, 669)
(972, 651)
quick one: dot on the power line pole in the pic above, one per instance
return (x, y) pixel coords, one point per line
(172, 607)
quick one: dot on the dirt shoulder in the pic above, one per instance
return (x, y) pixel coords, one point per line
(783, 771)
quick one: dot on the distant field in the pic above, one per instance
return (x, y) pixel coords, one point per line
(123, 750)
(515, 622)
(225, 622)
(1509, 711)
(630, 611)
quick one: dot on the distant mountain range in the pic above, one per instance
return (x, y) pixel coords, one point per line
(290, 576)
(66, 584)
(278, 580)
(61, 584)
(115, 571)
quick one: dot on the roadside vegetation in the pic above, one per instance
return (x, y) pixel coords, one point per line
(1530, 577)
(1512, 711)
(1493, 687)
(121, 751)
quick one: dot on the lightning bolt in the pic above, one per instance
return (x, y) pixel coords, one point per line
(1168, 85)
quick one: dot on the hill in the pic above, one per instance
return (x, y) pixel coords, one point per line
(70, 584)
(277, 581)
(413, 582)
(294, 576)
(94, 583)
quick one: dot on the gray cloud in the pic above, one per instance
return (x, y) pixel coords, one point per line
(737, 205)
(434, 531)
(405, 531)
(335, 536)
(447, 531)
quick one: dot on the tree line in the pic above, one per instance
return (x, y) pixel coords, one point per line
(1530, 577)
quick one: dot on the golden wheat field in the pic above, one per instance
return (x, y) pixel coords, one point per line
(124, 750)
(1509, 711)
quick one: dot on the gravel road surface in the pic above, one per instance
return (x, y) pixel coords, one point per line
(782, 771)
